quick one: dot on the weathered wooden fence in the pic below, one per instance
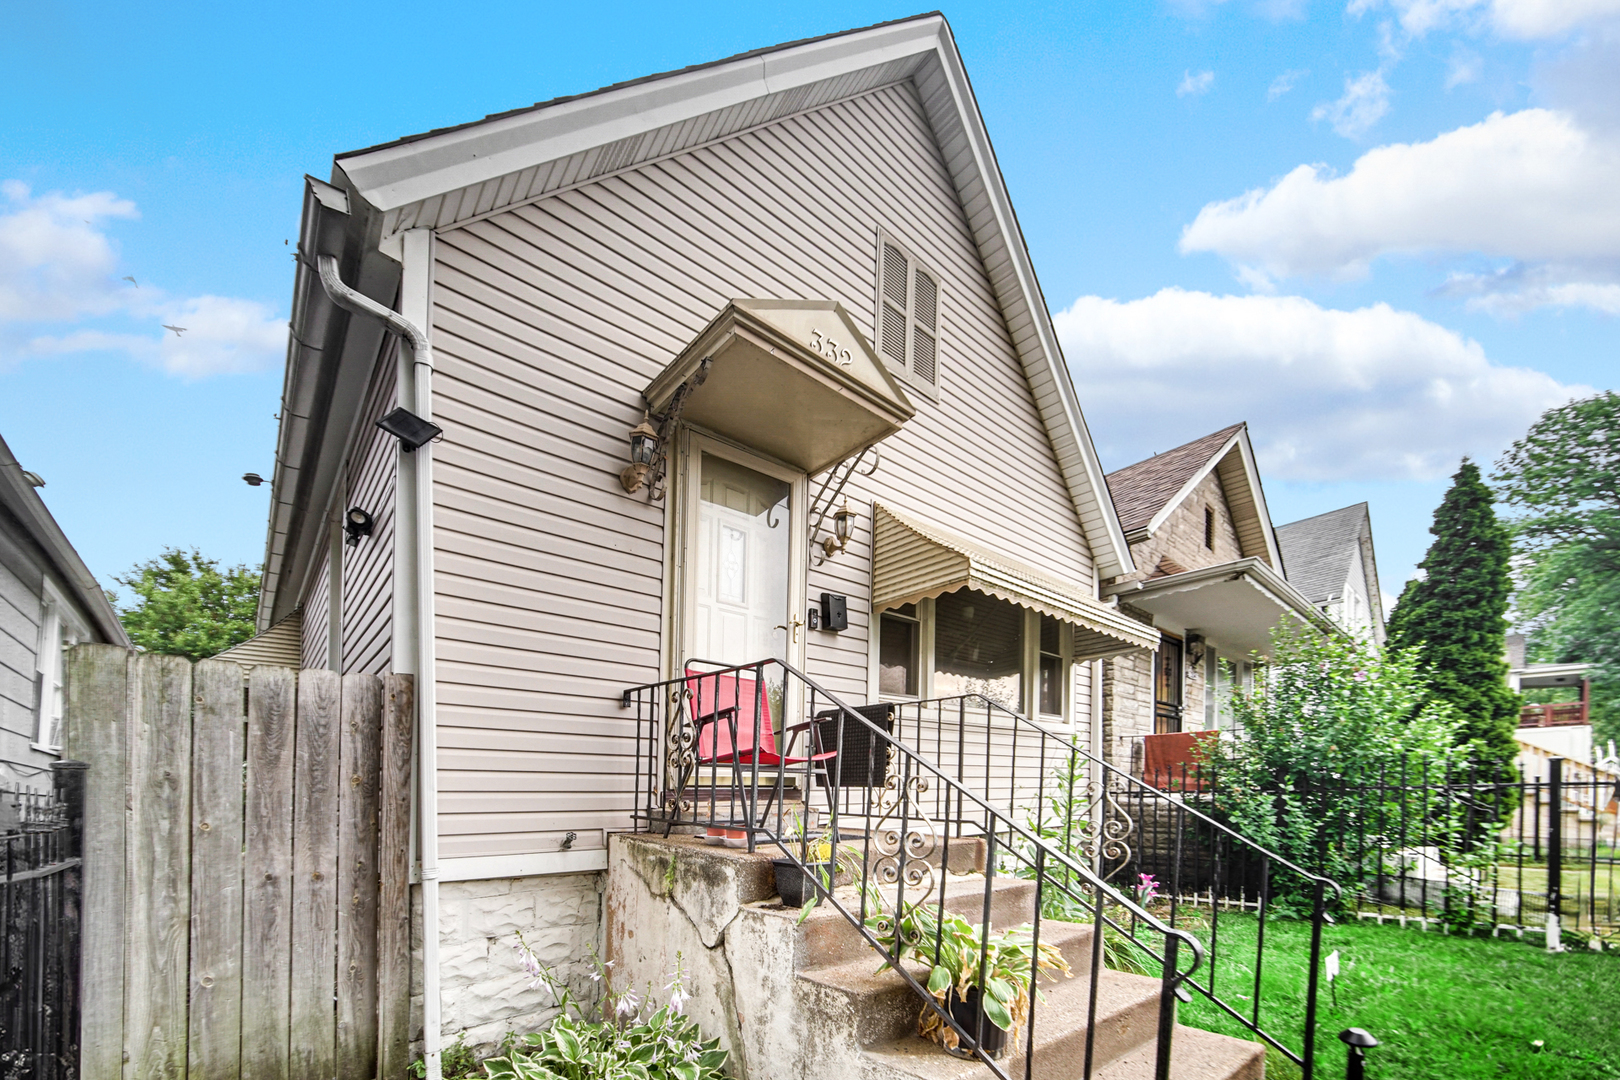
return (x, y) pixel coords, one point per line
(245, 856)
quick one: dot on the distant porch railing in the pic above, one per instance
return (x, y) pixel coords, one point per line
(1559, 714)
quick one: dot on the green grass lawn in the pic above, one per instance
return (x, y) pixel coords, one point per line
(1442, 1007)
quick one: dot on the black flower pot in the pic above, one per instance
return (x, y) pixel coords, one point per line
(796, 885)
(968, 1016)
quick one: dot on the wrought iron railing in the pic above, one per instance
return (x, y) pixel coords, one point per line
(713, 755)
(41, 893)
(1128, 831)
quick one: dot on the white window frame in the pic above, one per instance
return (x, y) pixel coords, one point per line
(1031, 664)
(59, 628)
(903, 369)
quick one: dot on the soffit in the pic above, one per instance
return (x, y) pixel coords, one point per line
(1235, 604)
(441, 180)
(912, 560)
(791, 378)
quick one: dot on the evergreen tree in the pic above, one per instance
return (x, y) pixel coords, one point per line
(1455, 617)
(185, 604)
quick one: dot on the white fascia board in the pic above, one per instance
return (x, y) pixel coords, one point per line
(1189, 487)
(492, 867)
(1110, 551)
(397, 175)
(1252, 469)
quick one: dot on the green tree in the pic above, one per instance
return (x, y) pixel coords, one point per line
(1564, 479)
(1455, 617)
(187, 606)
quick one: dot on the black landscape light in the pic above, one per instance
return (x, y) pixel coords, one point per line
(357, 523)
(1358, 1043)
(411, 430)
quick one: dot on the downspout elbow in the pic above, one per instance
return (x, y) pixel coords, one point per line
(353, 300)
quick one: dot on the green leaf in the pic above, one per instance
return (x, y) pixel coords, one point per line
(939, 980)
(996, 1013)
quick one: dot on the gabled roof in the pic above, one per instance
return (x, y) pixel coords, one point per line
(1146, 493)
(451, 176)
(20, 503)
(1317, 551)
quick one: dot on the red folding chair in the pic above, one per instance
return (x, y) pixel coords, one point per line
(732, 714)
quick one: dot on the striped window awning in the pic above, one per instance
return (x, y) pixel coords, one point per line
(913, 560)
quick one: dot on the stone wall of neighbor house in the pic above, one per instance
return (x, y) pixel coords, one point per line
(1181, 538)
(1127, 704)
(483, 990)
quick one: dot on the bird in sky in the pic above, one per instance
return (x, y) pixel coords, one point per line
(178, 330)
(132, 281)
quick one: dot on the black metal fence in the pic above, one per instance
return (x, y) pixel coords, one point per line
(41, 889)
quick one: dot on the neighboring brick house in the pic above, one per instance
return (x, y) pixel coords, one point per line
(1329, 558)
(1209, 577)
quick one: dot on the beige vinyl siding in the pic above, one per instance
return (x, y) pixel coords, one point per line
(550, 319)
(19, 662)
(368, 578)
(317, 606)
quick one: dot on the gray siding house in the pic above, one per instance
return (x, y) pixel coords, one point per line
(1330, 560)
(48, 601)
(791, 265)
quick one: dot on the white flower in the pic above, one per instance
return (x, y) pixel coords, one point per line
(627, 1005)
(678, 997)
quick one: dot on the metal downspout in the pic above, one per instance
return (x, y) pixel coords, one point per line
(426, 684)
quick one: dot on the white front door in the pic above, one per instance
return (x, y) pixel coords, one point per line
(741, 580)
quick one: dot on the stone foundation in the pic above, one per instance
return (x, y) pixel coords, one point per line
(483, 990)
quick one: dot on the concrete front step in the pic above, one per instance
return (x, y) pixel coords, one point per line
(827, 938)
(1127, 1014)
(883, 1007)
(1195, 1055)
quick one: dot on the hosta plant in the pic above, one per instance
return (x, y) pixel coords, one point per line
(1009, 958)
(612, 1040)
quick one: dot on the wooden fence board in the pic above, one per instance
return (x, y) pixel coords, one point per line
(394, 898)
(312, 1036)
(217, 731)
(95, 730)
(359, 749)
(159, 860)
(267, 896)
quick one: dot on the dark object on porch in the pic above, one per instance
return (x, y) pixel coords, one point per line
(861, 764)
(971, 1019)
(1174, 761)
(834, 612)
(795, 883)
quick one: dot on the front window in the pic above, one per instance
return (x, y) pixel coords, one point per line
(897, 652)
(979, 647)
(1051, 684)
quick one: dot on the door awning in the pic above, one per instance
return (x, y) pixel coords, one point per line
(791, 378)
(912, 560)
(1235, 605)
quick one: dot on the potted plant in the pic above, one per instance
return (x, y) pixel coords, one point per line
(990, 1007)
(822, 859)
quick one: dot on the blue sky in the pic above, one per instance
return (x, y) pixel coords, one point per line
(1386, 234)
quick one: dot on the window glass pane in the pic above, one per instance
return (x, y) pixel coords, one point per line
(897, 657)
(1051, 702)
(1049, 635)
(978, 647)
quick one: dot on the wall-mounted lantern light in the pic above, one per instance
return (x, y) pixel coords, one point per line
(411, 430)
(843, 523)
(643, 452)
(357, 523)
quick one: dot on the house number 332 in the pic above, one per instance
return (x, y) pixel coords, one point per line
(829, 348)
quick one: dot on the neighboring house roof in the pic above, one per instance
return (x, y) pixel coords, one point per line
(280, 646)
(24, 506)
(453, 175)
(1147, 492)
(1317, 551)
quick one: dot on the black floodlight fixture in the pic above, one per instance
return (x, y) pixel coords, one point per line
(357, 523)
(411, 430)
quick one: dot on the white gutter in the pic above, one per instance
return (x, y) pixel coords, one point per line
(414, 294)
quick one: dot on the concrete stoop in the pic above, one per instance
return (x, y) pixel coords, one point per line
(807, 1002)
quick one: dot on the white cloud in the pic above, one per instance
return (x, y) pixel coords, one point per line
(1523, 20)
(1284, 83)
(1519, 289)
(1529, 186)
(55, 262)
(59, 269)
(1195, 84)
(1373, 393)
(1364, 103)
(1465, 66)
